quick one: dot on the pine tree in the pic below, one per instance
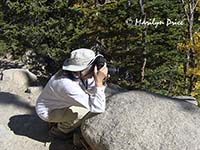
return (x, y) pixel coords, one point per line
(162, 73)
(146, 55)
(3, 46)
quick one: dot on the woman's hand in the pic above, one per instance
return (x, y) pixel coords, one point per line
(100, 75)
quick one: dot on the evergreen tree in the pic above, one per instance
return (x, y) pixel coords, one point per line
(163, 73)
(146, 54)
(3, 46)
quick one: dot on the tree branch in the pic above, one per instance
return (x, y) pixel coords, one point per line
(186, 11)
(142, 6)
(195, 5)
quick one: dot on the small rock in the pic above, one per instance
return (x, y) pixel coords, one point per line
(189, 99)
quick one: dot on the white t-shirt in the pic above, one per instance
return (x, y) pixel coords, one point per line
(64, 92)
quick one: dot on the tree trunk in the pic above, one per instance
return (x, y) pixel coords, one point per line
(191, 51)
(144, 34)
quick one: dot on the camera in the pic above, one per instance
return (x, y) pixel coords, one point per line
(100, 62)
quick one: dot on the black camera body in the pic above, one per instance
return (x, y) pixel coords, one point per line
(100, 62)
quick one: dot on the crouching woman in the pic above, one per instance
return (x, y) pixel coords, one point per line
(73, 92)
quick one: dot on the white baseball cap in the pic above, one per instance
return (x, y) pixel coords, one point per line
(79, 60)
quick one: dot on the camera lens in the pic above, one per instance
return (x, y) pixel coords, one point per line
(113, 70)
(100, 61)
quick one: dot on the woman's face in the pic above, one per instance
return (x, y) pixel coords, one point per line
(87, 73)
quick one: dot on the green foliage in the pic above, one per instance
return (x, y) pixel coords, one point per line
(54, 28)
(191, 44)
(42, 26)
(162, 73)
(3, 46)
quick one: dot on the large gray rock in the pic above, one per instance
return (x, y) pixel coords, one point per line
(20, 82)
(138, 120)
(19, 77)
(20, 127)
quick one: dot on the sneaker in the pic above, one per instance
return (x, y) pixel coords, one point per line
(55, 133)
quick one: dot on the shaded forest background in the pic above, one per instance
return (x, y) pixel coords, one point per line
(162, 59)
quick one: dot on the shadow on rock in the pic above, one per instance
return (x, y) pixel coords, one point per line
(7, 98)
(29, 125)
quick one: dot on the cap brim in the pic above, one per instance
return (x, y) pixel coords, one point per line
(74, 68)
